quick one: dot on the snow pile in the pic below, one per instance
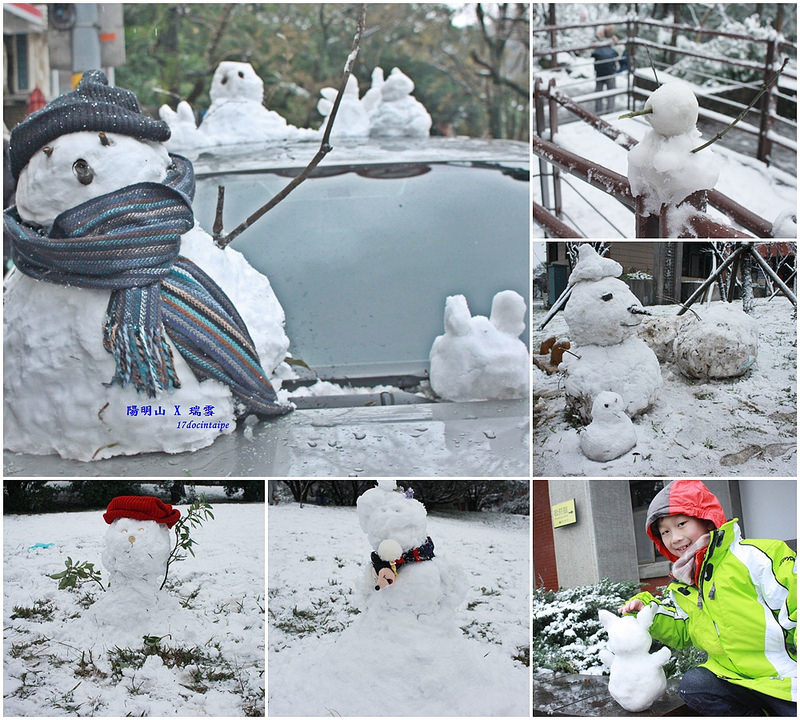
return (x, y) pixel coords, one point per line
(721, 343)
(662, 168)
(404, 654)
(785, 224)
(57, 396)
(637, 677)
(237, 114)
(611, 432)
(210, 618)
(602, 314)
(481, 358)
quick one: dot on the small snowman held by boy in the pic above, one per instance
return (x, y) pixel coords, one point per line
(603, 314)
(121, 312)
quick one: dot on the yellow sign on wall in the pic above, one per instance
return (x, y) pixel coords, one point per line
(563, 513)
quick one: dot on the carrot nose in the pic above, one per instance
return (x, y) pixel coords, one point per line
(131, 539)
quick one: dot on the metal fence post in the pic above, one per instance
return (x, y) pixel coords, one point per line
(538, 107)
(768, 106)
(647, 226)
(553, 107)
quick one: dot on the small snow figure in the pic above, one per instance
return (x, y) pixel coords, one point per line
(481, 358)
(372, 97)
(352, 119)
(662, 168)
(399, 114)
(785, 224)
(137, 542)
(611, 433)
(603, 314)
(637, 678)
(118, 300)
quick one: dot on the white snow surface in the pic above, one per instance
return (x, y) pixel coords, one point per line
(480, 358)
(56, 370)
(370, 654)
(745, 180)
(745, 426)
(61, 664)
(637, 677)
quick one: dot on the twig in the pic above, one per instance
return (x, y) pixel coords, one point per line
(744, 112)
(324, 148)
(645, 111)
(217, 227)
(652, 65)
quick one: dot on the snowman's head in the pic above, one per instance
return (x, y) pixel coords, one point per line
(606, 406)
(136, 550)
(602, 312)
(386, 514)
(82, 144)
(236, 81)
(397, 86)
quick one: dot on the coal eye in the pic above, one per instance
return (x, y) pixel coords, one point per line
(607, 297)
(241, 74)
(83, 171)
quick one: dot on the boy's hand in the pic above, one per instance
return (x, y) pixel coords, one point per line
(634, 605)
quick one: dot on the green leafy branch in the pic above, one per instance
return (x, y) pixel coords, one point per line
(199, 511)
(83, 572)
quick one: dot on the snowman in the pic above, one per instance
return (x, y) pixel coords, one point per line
(399, 114)
(372, 97)
(611, 432)
(662, 167)
(481, 358)
(603, 314)
(126, 329)
(352, 119)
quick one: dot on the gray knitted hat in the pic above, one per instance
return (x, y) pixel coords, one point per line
(93, 105)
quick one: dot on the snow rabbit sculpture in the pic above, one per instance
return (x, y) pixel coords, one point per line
(637, 677)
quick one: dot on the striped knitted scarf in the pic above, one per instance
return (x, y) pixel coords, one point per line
(128, 242)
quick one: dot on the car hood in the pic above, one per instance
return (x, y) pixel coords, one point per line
(472, 439)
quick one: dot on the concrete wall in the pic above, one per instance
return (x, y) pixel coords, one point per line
(601, 543)
(769, 508)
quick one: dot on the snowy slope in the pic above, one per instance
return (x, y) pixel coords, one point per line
(212, 666)
(759, 188)
(317, 560)
(742, 427)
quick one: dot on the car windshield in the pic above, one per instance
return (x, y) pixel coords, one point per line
(362, 258)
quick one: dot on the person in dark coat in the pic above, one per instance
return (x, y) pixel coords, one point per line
(605, 67)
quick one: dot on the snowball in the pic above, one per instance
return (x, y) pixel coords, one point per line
(637, 678)
(723, 343)
(785, 224)
(389, 550)
(674, 108)
(611, 433)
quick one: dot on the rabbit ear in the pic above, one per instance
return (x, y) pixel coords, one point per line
(606, 618)
(645, 617)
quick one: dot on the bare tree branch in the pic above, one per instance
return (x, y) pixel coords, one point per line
(324, 148)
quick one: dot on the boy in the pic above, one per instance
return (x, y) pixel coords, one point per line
(733, 598)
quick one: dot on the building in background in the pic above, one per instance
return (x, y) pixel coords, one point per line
(605, 537)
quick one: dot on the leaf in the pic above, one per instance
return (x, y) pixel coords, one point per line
(58, 576)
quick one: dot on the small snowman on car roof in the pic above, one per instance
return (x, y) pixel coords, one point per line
(123, 319)
(399, 114)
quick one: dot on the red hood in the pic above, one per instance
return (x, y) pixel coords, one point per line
(683, 497)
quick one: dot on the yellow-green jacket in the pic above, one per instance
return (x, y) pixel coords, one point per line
(742, 612)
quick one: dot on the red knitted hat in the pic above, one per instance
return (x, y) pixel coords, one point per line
(141, 507)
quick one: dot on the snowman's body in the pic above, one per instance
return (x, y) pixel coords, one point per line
(637, 677)
(399, 114)
(352, 118)
(602, 314)
(480, 358)
(57, 396)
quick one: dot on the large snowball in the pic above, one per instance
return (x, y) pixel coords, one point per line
(723, 343)
(674, 108)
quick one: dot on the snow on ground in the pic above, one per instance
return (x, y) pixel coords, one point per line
(745, 426)
(764, 190)
(317, 559)
(52, 668)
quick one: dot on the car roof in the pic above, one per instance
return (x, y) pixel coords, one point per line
(357, 151)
